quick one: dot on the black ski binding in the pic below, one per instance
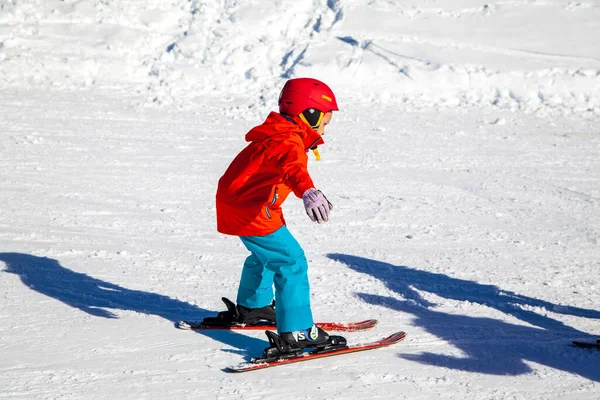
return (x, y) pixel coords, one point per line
(223, 318)
(279, 349)
(241, 316)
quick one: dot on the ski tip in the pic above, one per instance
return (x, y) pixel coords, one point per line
(394, 338)
(349, 326)
(369, 323)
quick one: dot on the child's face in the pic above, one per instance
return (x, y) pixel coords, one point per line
(326, 119)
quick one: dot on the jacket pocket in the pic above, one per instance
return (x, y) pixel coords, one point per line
(275, 197)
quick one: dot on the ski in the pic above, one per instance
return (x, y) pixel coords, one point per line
(588, 344)
(206, 324)
(258, 319)
(261, 363)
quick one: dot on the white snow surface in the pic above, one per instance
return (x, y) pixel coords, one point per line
(464, 167)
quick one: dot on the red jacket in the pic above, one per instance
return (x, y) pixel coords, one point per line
(260, 178)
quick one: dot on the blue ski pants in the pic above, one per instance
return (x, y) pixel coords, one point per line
(277, 259)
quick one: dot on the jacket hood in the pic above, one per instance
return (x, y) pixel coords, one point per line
(277, 124)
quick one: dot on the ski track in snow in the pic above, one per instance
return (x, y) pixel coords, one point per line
(464, 169)
(173, 53)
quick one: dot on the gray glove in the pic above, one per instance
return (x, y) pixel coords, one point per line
(317, 206)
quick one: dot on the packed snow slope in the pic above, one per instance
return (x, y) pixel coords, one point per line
(464, 168)
(529, 55)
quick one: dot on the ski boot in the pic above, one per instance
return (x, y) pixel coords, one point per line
(293, 344)
(240, 315)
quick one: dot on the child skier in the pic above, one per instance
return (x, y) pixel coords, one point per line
(249, 199)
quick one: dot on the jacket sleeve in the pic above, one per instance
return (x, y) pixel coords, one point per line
(295, 173)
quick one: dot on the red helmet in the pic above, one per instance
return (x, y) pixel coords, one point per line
(300, 94)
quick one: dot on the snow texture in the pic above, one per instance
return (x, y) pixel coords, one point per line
(464, 168)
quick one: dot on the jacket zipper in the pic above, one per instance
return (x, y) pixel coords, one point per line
(275, 197)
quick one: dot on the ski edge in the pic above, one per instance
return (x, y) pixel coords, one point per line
(385, 342)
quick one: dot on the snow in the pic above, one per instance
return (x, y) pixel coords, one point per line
(464, 167)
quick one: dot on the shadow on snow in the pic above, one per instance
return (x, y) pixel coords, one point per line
(489, 345)
(98, 298)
